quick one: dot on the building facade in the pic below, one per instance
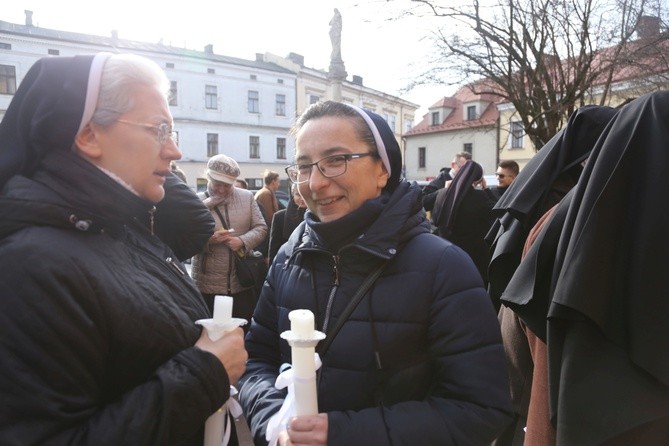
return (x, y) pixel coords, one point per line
(463, 122)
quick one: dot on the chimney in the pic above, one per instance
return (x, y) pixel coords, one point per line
(357, 80)
(260, 57)
(209, 49)
(114, 35)
(296, 58)
(647, 26)
(29, 17)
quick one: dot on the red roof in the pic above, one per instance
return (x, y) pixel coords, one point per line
(455, 120)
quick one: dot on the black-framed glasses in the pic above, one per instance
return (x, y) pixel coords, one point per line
(162, 131)
(330, 166)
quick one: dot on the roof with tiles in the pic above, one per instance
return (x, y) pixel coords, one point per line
(455, 119)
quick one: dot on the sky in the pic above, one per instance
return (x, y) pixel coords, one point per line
(386, 53)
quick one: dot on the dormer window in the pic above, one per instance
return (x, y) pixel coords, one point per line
(435, 118)
(471, 112)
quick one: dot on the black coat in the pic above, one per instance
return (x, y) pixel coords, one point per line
(284, 223)
(472, 222)
(96, 318)
(427, 319)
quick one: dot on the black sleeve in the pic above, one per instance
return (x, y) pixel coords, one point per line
(181, 220)
(430, 191)
(276, 234)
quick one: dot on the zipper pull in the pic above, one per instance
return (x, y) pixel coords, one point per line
(175, 265)
(151, 219)
(336, 270)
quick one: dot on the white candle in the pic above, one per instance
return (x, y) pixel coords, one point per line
(222, 308)
(304, 364)
(302, 323)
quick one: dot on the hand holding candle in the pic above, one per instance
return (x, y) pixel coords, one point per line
(217, 327)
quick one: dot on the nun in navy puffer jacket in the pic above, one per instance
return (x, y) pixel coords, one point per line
(420, 360)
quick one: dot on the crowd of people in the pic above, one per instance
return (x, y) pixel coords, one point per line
(527, 312)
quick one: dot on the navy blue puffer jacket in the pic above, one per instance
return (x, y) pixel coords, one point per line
(440, 377)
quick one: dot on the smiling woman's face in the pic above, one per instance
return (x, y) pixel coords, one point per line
(333, 198)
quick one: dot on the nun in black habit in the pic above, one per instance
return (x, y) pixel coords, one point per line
(607, 336)
(540, 185)
(462, 215)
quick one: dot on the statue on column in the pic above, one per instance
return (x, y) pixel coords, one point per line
(335, 36)
(337, 70)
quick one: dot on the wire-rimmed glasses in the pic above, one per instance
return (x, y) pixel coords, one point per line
(330, 167)
(163, 131)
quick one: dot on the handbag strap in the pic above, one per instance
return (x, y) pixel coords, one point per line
(353, 303)
(223, 223)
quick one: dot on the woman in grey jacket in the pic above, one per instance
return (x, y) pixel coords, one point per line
(420, 360)
(98, 343)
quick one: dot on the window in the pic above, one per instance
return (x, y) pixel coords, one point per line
(517, 134)
(408, 125)
(281, 105)
(211, 71)
(313, 99)
(169, 65)
(390, 119)
(468, 147)
(435, 118)
(253, 77)
(281, 148)
(421, 157)
(5, 46)
(254, 102)
(212, 144)
(471, 112)
(54, 52)
(254, 147)
(7, 79)
(279, 81)
(173, 93)
(211, 97)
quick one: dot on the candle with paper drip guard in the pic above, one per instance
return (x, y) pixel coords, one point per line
(215, 433)
(303, 338)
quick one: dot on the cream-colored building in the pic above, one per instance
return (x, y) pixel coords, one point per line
(314, 85)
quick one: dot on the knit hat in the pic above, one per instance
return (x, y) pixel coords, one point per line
(386, 144)
(223, 168)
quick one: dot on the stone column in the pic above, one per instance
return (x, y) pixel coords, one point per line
(337, 71)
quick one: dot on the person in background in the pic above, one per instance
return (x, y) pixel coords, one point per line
(545, 181)
(269, 205)
(285, 221)
(507, 171)
(239, 227)
(241, 183)
(420, 359)
(176, 170)
(443, 179)
(97, 336)
(462, 215)
(597, 296)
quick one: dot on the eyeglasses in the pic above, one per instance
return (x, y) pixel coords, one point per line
(162, 131)
(330, 166)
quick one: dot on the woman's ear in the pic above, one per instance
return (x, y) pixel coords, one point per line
(383, 177)
(87, 142)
